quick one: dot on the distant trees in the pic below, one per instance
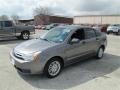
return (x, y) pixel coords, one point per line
(15, 19)
(42, 11)
(4, 17)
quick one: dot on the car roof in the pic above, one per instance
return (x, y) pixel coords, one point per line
(74, 27)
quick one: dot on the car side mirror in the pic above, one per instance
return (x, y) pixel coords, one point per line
(74, 41)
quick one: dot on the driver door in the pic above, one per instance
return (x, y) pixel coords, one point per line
(76, 50)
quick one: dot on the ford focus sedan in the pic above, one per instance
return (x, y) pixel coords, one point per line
(59, 47)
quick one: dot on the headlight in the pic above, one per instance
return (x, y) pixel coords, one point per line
(32, 57)
(36, 56)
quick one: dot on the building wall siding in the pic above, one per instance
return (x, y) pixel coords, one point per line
(43, 20)
(97, 19)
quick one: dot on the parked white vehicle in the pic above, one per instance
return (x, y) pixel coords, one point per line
(115, 28)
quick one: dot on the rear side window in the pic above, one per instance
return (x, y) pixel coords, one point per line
(8, 24)
(89, 33)
(98, 33)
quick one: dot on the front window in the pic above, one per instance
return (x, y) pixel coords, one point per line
(79, 34)
(58, 34)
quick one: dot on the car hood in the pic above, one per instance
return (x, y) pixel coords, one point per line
(34, 45)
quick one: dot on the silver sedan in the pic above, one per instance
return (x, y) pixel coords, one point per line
(59, 47)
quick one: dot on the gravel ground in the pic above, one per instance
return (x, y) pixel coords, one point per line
(91, 74)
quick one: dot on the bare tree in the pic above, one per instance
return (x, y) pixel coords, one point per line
(15, 18)
(42, 11)
(4, 17)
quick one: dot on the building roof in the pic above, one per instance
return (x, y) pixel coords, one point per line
(55, 16)
(26, 20)
(94, 15)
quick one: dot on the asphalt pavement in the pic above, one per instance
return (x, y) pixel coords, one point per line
(90, 74)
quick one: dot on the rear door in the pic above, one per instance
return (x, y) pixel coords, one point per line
(1, 29)
(8, 29)
(90, 40)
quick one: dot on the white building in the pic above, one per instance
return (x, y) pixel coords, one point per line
(97, 19)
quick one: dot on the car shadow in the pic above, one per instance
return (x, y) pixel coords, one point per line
(76, 74)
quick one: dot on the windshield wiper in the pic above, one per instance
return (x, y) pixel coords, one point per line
(44, 39)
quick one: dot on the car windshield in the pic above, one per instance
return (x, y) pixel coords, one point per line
(116, 25)
(58, 34)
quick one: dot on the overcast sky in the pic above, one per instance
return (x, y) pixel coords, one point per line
(24, 8)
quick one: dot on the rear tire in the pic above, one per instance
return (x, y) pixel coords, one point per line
(53, 68)
(100, 53)
(108, 33)
(25, 35)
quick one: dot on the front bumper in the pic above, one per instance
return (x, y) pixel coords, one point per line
(26, 67)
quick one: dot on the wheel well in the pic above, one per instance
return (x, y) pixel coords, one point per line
(25, 31)
(60, 58)
(103, 47)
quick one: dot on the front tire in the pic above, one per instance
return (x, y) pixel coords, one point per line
(100, 53)
(25, 35)
(110, 32)
(118, 32)
(53, 68)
